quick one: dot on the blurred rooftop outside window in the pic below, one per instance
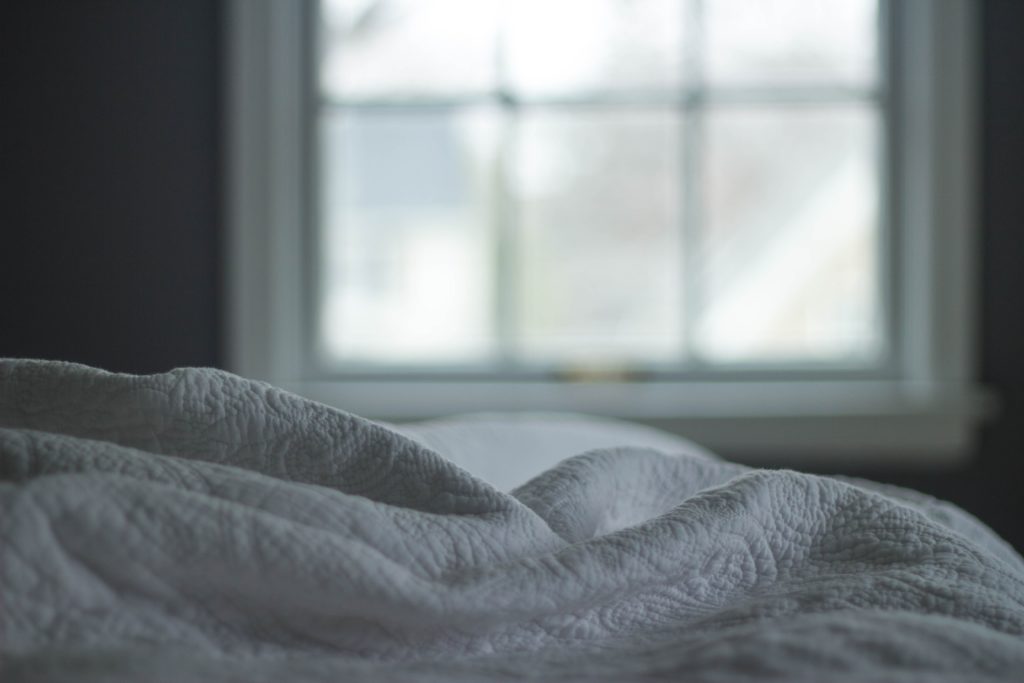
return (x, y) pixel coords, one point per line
(625, 183)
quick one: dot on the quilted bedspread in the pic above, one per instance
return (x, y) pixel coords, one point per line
(198, 526)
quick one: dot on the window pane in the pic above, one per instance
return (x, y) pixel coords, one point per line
(788, 247)
(406, 197)
(599, 259)
(764, 42)
(569, 46)
(408, 48)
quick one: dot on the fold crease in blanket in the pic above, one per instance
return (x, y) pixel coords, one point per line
(198, 526)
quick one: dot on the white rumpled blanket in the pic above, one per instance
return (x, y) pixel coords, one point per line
(194, 526)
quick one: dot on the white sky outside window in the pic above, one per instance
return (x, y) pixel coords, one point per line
(620, 182)
(788, 250)
(589, 46)
(598, 277)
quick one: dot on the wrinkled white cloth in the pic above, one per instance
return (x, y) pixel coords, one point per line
(197, 526)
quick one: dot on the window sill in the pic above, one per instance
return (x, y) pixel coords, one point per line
(868, 422)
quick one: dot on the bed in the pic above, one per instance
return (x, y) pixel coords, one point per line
(195, 525)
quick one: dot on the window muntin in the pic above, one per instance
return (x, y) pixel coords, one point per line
(683, 191)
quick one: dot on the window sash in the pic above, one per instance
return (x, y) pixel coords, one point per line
(691, 101)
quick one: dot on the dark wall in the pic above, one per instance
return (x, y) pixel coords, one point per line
(111, 224)
(110, 219)
(990, 487)
(1000, 470)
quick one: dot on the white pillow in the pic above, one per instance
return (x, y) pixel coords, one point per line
(508, 449)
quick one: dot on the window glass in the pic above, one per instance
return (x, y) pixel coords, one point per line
(659, 183)
(405, 48)
(787, 247)
(790, 42)
(580, 46)
(408, 239)
(598, 274)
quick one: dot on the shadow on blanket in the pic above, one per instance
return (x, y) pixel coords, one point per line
(197, 526)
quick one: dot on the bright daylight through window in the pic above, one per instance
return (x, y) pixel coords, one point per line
(748, 221)
(648, 185)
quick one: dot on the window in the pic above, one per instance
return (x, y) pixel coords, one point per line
(652, 185)
(747, 220)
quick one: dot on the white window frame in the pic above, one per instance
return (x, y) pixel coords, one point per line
(924, 412)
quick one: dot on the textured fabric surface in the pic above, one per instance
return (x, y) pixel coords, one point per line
(197, 526)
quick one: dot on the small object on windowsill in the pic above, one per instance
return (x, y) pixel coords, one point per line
(599, 373)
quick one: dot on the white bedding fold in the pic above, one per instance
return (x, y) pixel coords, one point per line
(194, 525)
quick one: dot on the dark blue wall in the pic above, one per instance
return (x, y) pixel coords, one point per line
(111, 159)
